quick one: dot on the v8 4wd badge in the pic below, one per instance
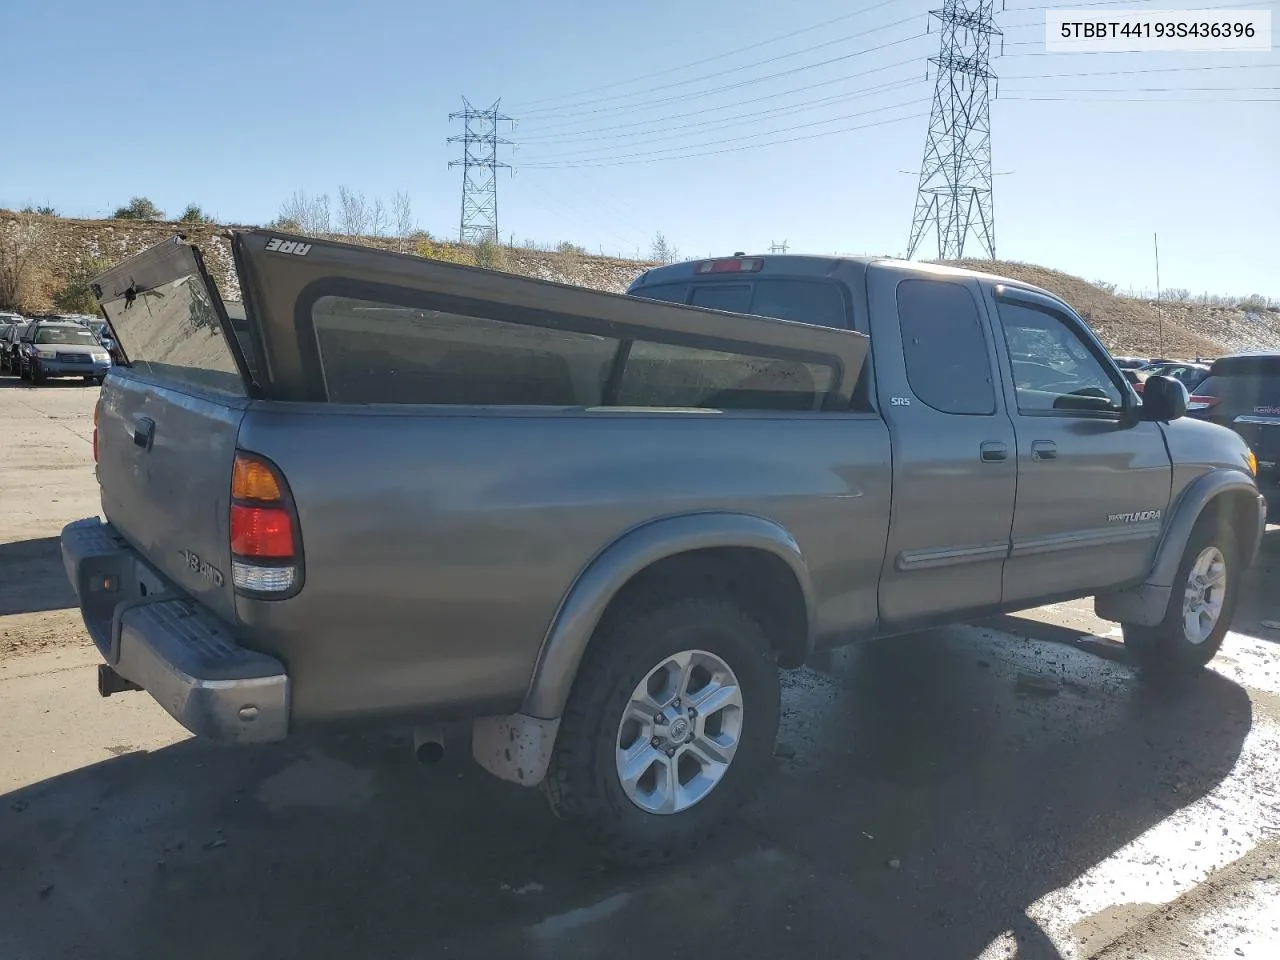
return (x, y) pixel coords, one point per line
(202, 568)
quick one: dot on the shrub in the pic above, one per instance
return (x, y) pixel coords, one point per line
(491, 255)
(446, 252)
(570, 249)
(1254, 303)
(74, 296)
(1104, 286)
(139, 208)
(21, 260)
(193, 214)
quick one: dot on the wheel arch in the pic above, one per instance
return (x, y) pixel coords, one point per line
(1223, 496)
(759, 550)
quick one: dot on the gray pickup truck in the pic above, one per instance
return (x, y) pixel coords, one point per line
(593, 526)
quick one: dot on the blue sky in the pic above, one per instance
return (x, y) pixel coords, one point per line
(235, 105)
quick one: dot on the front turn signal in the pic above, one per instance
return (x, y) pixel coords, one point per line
(1253, 462)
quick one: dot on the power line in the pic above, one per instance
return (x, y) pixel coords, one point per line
(718, 56)
(745, 117)
(1125, 73)
(754, 80)
(910, 61)
(722, 73)
(1147, 100)
(625, 161)
(746, 136)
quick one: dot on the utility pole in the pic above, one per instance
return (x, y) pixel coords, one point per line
(1155, 238)
(480, 142)
(954, 198)
(778, 247)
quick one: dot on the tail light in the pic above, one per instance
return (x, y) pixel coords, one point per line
(731, 265)
(265, 544)
(97, 413)
(1198, 402)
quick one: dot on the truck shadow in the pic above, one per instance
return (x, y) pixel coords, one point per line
(925, 795)
(32, 577)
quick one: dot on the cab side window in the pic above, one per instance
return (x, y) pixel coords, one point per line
(943, 346)
(1054, 370)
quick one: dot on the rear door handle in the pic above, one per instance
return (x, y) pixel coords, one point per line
(144, 433)
(1044, 450)
(993, 451)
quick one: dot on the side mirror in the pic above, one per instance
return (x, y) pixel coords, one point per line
(1163, 399)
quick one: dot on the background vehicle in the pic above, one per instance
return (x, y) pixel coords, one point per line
(1242, 392)
(59, 348)
(1130, 363)
(9, 339)
(1188, 374)
(594, 526)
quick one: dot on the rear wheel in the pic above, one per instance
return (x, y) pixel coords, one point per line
(669, 729)
(1201, 605)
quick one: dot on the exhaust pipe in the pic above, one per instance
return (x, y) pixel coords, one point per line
(110, 682)
(428, 744)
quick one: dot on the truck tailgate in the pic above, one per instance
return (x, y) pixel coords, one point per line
(167, 422)
(164, 465)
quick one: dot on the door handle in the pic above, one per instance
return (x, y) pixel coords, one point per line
(1044, 450)
(993, 452)
(144, 433)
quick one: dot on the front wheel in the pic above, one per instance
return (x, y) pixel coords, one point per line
(37, 375)
(669, 729)
(1201, 605)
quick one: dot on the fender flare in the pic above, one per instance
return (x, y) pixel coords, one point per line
(1146, 602)
(613, 567)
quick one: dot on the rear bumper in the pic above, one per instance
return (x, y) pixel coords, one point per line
(152, 635)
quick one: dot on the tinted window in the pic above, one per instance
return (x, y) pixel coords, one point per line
(734, 298)
(1053, 368)
(1261, 365)
(77, 335)
(667, 375)
(805, 301)
(380, 353)
(944, 348)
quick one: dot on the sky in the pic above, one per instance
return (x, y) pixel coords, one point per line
(619, 131)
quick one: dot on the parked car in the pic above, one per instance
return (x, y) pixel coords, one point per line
(1189, 375)
(61, 348)
(7, 317)
(9, 338)
(1130, 363)
(593, 526)
(1242, 392)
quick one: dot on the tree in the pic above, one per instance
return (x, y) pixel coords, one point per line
(378, 219)
(402, 211)
(74, 296)
(353, 213)
(303, 214)
(139, 208)
(21, 259)
(662, 251)
(193, 214)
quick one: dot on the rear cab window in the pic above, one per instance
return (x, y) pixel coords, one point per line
(816, 301)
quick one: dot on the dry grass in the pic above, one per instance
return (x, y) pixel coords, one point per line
(1125, 325)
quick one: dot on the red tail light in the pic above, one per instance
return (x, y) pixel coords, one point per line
(1198, 402)
(732, 265)
(265, 557)
(261, 532)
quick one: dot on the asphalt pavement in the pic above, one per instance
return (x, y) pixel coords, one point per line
(997, 790)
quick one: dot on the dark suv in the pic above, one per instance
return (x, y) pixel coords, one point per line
(1243, 392)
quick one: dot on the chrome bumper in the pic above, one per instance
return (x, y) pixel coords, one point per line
(152, 635)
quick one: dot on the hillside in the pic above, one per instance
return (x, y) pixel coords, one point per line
(1129, 325)
(1126, 325)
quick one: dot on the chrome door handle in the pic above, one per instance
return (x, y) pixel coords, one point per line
(1044, 450)
(993, 451)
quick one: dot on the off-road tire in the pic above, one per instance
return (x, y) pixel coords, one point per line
(1165, 651)
(582, 781)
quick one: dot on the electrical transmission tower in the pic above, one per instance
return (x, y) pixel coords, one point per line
(778, 247)
(954, 198)
(480, 142)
